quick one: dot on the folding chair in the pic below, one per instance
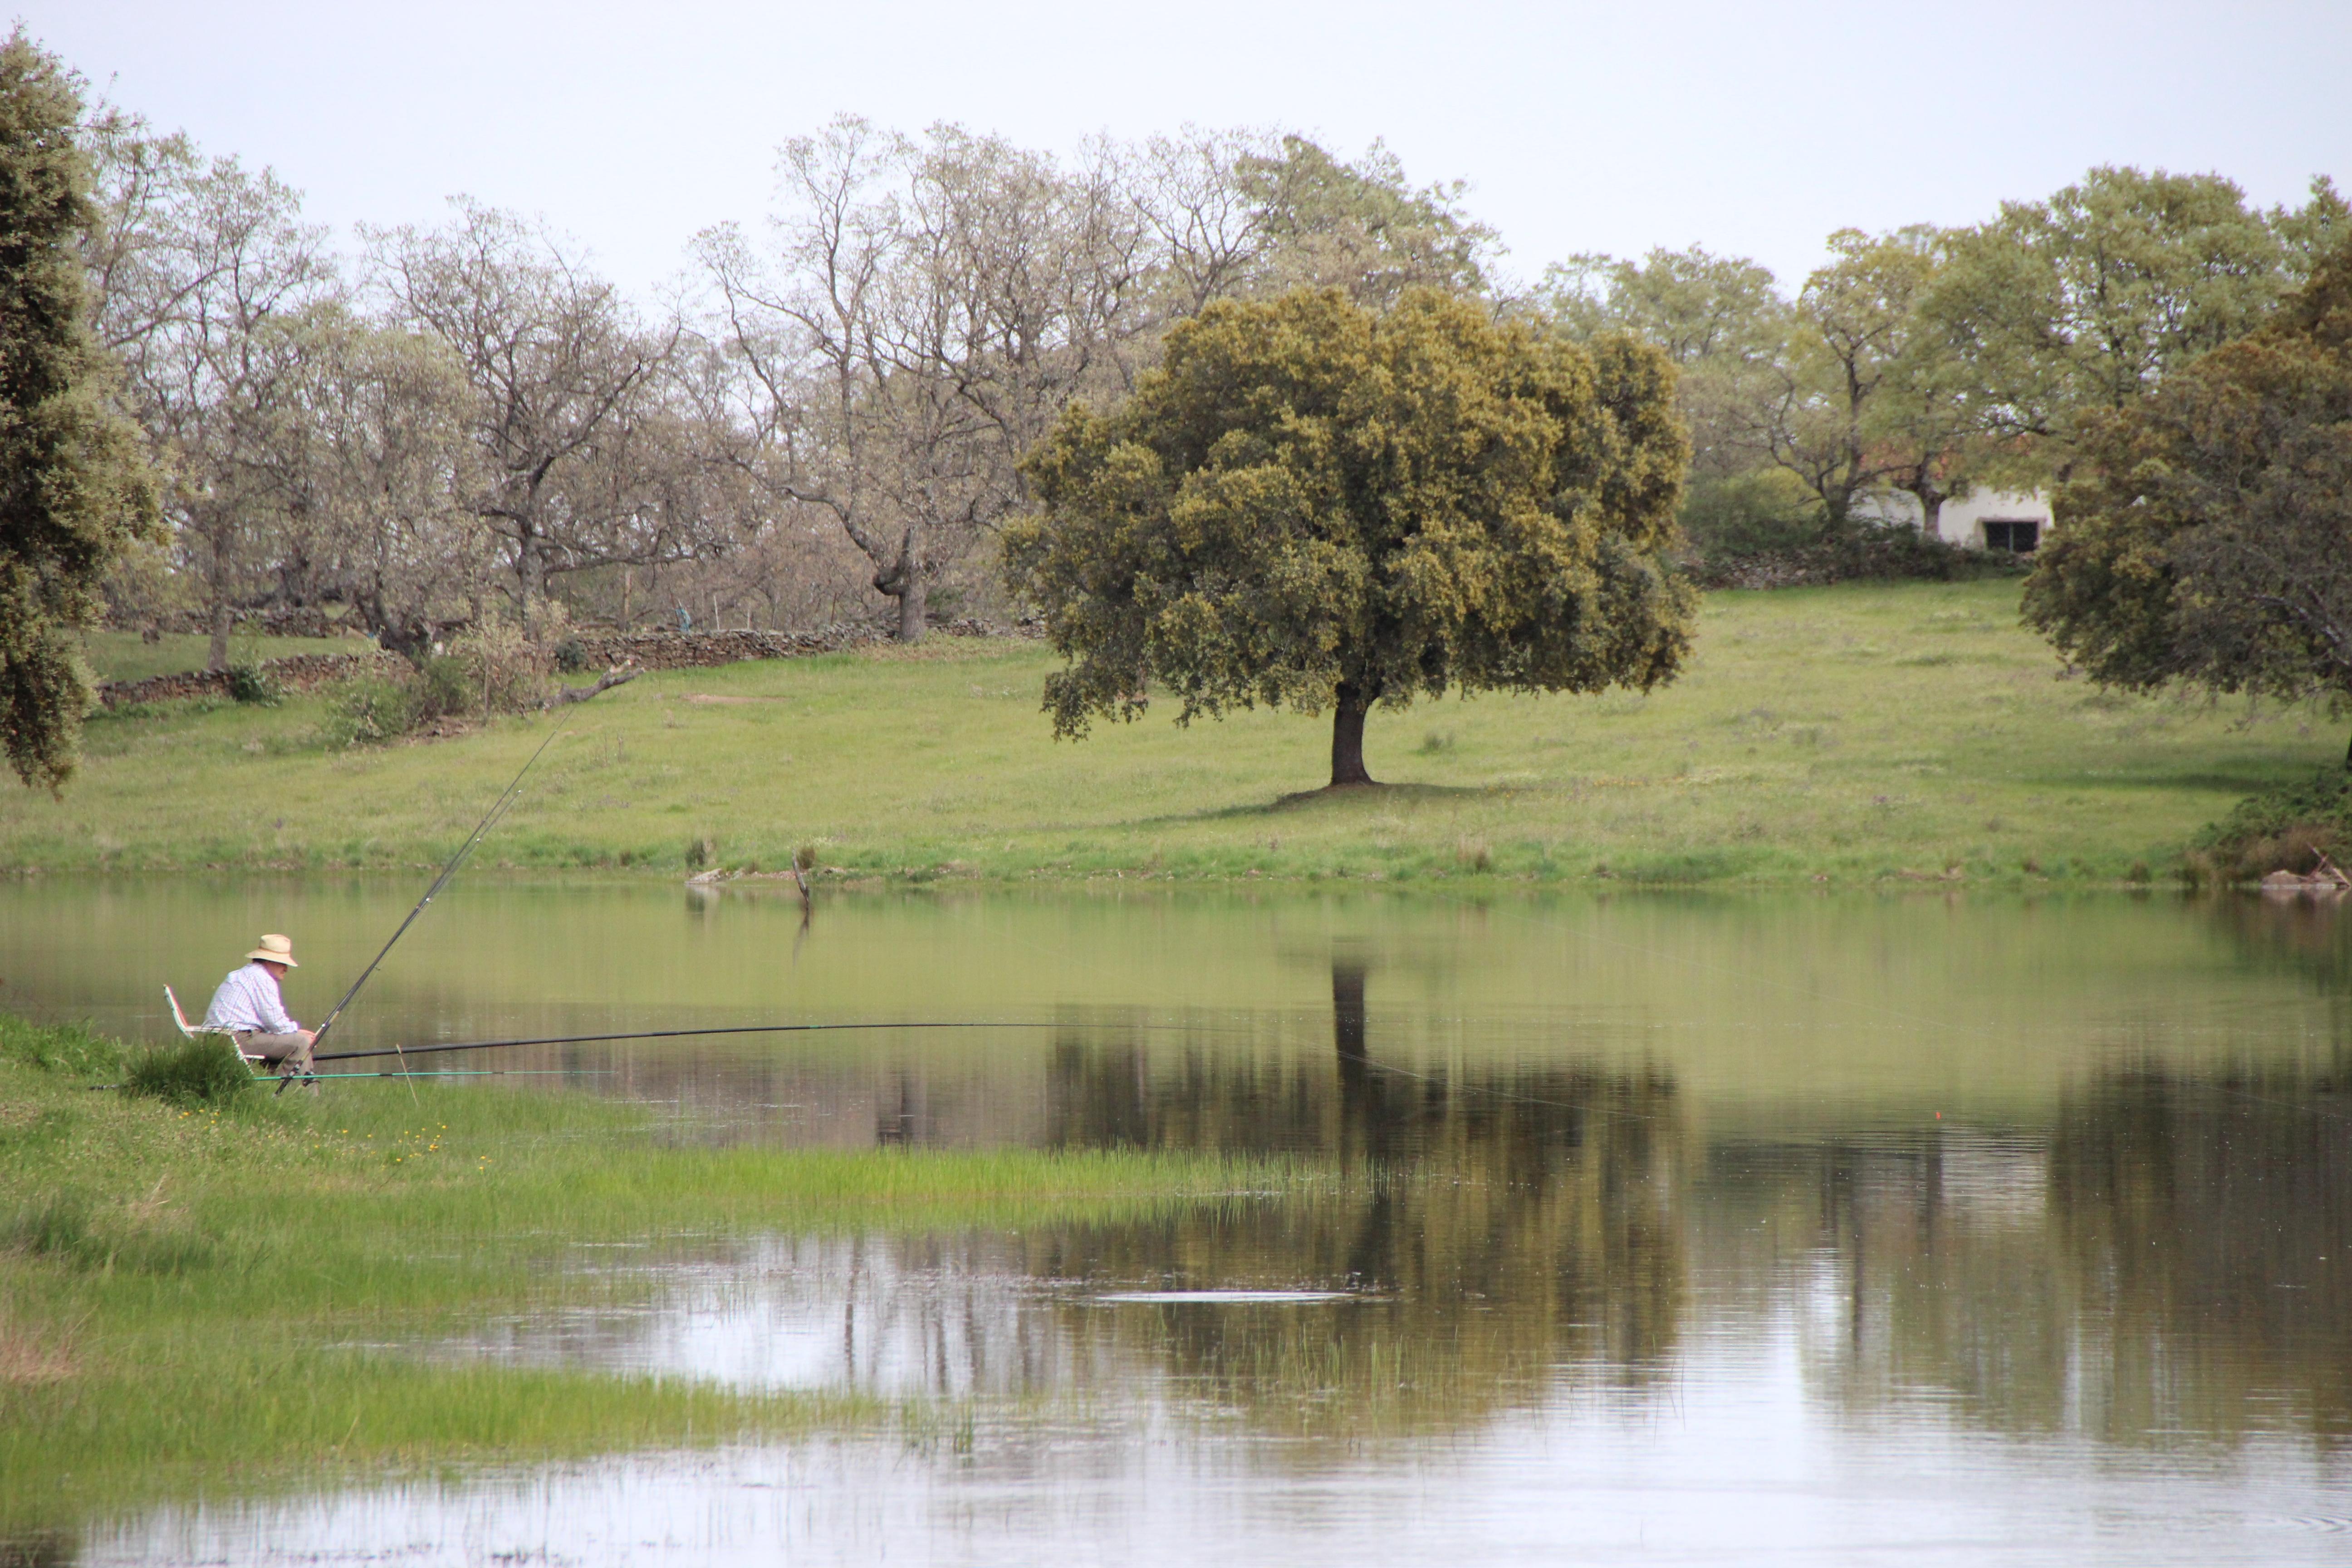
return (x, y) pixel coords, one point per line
(253, 1064)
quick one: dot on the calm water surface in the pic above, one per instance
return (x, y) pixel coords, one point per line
(1687, 1228)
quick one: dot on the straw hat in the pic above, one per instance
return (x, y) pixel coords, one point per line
(276, 949)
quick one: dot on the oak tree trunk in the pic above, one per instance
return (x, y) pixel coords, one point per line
(912, 608)
(533, 563)
(903, 580)
(216, 655)
(1348, 713)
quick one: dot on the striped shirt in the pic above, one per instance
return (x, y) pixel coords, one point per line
(248, 1001)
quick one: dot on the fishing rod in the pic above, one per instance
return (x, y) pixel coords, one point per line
(683, 1033)
(481, 830)
(477, 1072)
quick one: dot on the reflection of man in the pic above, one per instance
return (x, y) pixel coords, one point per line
(249, 1006)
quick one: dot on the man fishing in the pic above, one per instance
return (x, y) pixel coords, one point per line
(249, 1006)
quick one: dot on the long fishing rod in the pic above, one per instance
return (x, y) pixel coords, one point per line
(478, 1072)
(439, 882)
(683, 1033)
(481, 830)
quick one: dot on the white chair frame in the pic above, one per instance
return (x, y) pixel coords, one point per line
(192, 1031)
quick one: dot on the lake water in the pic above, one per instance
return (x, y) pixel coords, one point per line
(1691, 1228)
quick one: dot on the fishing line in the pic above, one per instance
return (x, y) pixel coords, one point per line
(448, 872)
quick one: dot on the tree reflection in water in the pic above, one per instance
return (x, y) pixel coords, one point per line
(2168, 1258)
(2201, 1232)
(1499, 1230)
(2169, 1255)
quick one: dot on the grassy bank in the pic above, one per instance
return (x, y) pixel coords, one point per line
(1855, 733)
(195, 1297)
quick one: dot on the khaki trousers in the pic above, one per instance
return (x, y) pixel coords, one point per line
(289, 1054)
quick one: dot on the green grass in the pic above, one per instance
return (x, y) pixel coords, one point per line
(195, 1297)
(124, 656)
(1858, 732)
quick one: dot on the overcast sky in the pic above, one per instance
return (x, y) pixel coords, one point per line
(1752, 128)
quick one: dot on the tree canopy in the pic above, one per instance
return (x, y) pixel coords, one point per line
(2063, 308)
(1864, 401)
(1358, 228)
(1314, 505)
(1938, 361)
(73, 485)
(2207, 536)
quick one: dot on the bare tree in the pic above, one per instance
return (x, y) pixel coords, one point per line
(926, 311)
(195, 263)
(766, 556)
(566, 413)
(1210, 231)
(371, 472)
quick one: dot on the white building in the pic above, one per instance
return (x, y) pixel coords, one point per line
(1981, 520)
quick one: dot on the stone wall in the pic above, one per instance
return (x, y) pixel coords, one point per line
(601, 650)
(297, 673)
(701, 650)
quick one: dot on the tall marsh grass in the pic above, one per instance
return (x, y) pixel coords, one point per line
(205, 1071)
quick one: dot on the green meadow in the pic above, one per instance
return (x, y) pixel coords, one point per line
(196, 1293)
(1855, 734)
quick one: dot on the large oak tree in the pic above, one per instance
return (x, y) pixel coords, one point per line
(1312, 505)
(200, 265)
(2206, 535)
(74, 487)
(2064, 310)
